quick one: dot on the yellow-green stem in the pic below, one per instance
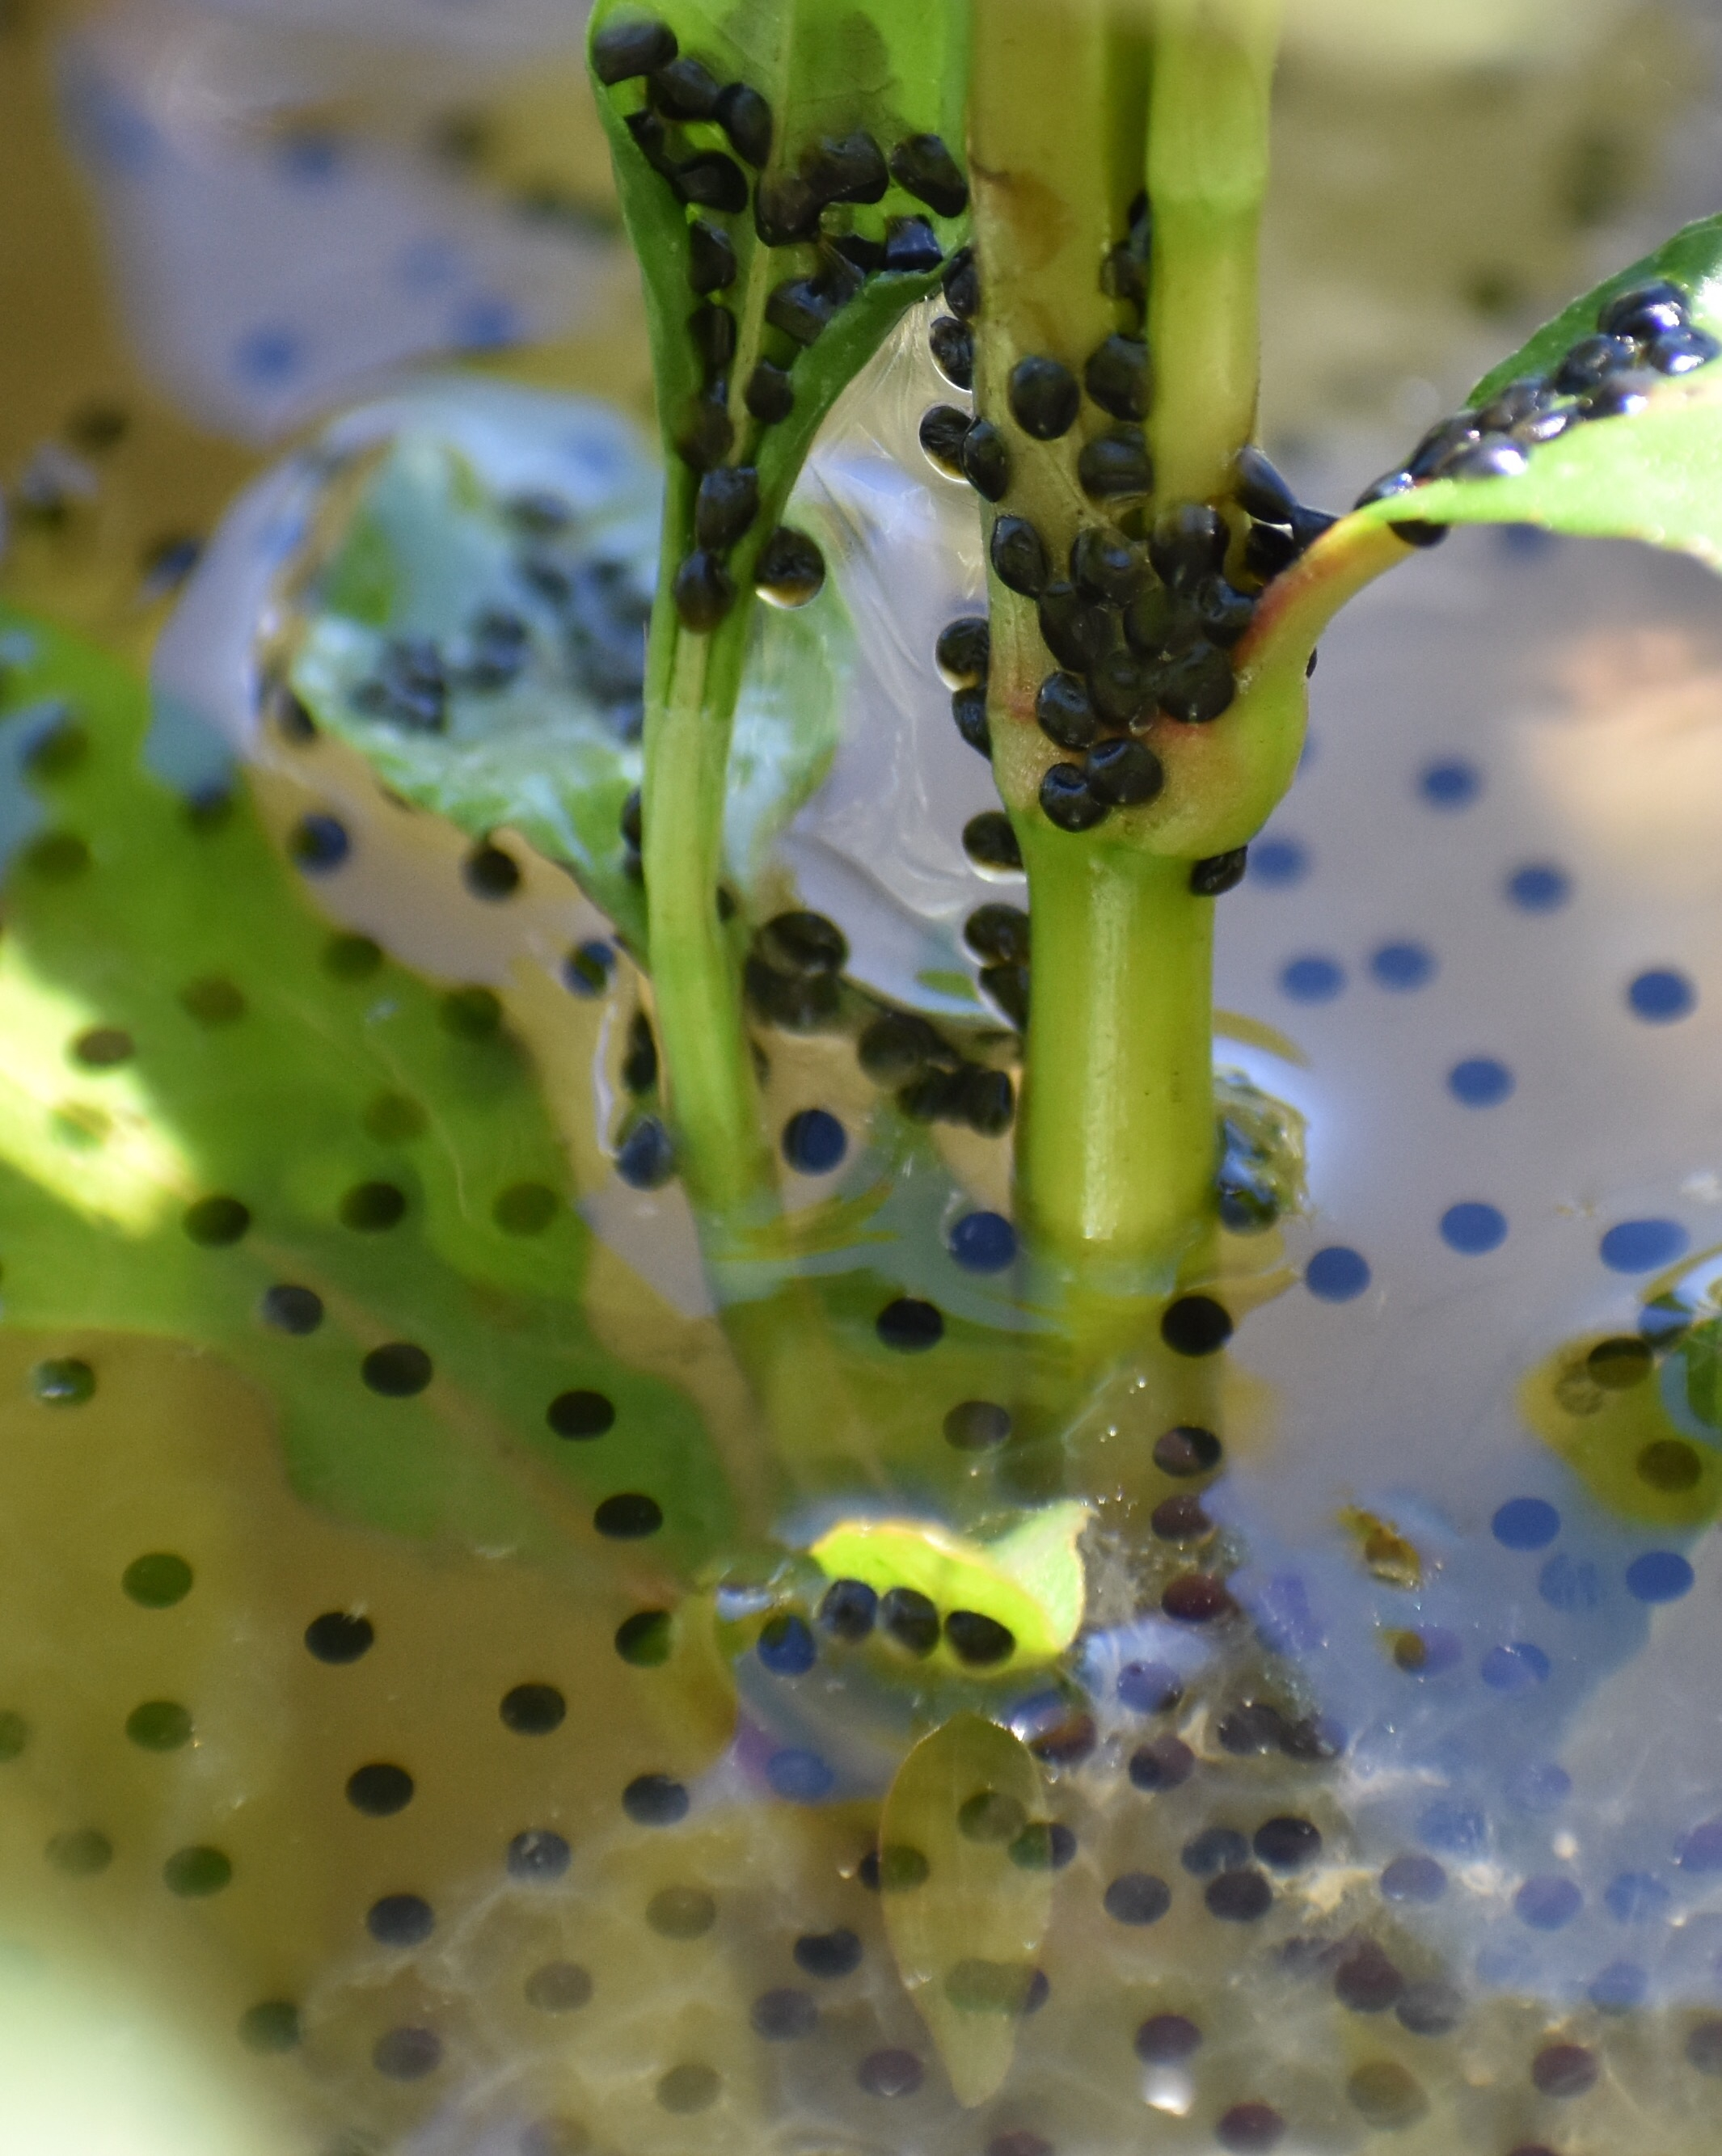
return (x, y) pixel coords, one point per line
(713, 1097)
(1207, 175)
(1117, 1141)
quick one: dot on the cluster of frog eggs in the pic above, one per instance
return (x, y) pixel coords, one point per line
(793, 978)
(601, 610)
(790, 207)
(1142, 620)
(1056, 1724)
(1643, 335)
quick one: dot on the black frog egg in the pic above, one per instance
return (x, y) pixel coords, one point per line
(705, 434)
(922, 166)
(727, 503)
(711, 264)
(1187, 543)
(911, 247)
(961, 284)
(1076, 631)
(1125, 774)
(1443, 440)
(1105, 566)
(713, 181)
(953, 345)
(704, 592)
(1197, 685)
(1218, 873)
(1065, 712)
(769, 395)
(1122, 687)
(1619, 394)
(1681, 351)
(1116, 465)
(969, 710)
(1066, 802)
(990, 842)
(848, 168)
(745, 117)
(999, 934)
(1044, 396)
(790, 569)
(785, 209)
(1590, 361)
(1116, 376)
(1019, 556)
(1260, 490)
(634, 45)
(963, 651)
(1224, 611)
(1644, 312)
(1495, 456)
(1520, 400)
(985, 460)
(943, 432)
(685, 89)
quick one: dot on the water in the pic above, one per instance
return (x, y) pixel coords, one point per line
(380, 1773)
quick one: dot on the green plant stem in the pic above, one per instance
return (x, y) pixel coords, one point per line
(693, 684)
(1116, 1137)
(1207, 175)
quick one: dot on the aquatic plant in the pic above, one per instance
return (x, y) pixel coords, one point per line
(1156, 593)
(790, 1712)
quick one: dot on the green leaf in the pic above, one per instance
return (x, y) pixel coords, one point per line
(429, 546)
(256, 1055)
(967, 1896)
(1654, 474)
(893, 68)
(1692, 258)
(1031, 1580)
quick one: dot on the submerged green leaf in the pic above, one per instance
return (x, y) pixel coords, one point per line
(965, 1913)
(1031, 1580)
(529, 718)
(196, 1076)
